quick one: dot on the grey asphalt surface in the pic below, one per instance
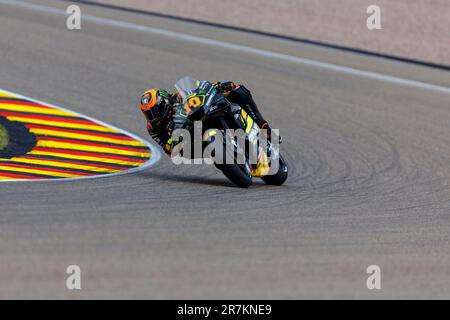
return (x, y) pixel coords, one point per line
(369, 181)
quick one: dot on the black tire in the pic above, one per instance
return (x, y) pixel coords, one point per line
(236, 175)
(280, 177)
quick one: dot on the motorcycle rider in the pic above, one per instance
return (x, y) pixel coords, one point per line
(159, 108)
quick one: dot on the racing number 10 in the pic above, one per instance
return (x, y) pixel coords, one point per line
(193, 102)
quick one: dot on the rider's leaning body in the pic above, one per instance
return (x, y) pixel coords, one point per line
(160, 108)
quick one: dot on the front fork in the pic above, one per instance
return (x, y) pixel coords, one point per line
(260, 166)
(239, 156)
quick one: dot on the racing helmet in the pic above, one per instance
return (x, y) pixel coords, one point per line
(156, 107)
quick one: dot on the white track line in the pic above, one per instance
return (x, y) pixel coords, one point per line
(235, 47)
(155, 154)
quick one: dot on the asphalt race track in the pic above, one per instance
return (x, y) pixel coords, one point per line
(369, 159)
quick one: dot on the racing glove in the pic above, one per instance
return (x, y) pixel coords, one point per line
(225, 86)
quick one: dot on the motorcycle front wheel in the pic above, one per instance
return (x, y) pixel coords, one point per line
(239, 174)
(236, 174)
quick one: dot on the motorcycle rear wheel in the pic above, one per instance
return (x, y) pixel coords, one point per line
(280, 177)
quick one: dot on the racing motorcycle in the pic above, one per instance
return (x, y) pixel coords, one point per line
(202, 101)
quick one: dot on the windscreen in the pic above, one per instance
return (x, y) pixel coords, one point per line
(186, 86)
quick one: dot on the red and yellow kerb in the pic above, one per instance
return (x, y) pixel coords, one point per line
(67, 145)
